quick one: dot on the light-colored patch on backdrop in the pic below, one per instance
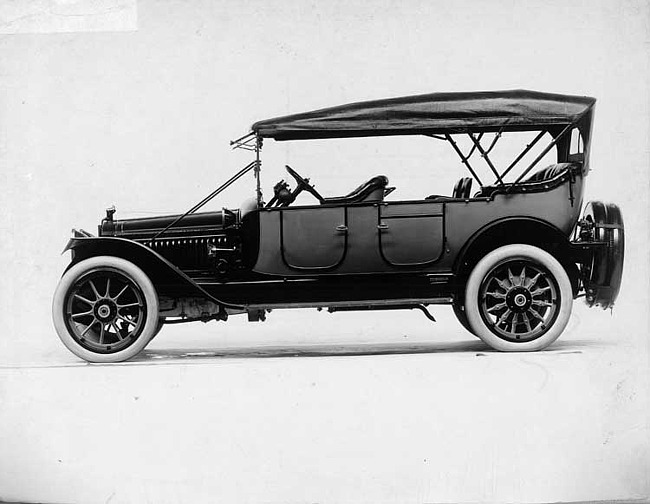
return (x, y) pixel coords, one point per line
(67, 16)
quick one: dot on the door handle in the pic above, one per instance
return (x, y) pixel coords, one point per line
(342, 228)
(382, 227)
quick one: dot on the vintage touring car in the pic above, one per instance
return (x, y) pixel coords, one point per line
(510, 257)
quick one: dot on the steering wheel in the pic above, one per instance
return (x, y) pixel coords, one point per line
(303, 183)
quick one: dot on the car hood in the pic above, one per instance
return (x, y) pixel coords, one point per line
(148, 227)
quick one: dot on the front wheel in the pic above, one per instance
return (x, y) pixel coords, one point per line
(105, 309)
(159, 326)
(518, 298)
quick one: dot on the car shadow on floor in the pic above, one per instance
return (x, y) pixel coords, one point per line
(340, 350)
(198, 355)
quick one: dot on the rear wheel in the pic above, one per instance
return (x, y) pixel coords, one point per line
(105, 309)
(459, 311)
(518, 298)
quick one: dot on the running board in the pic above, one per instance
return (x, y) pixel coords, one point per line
(364, 304)
(258, 312)
(420, 307)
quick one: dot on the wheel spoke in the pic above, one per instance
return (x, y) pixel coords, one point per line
(541, 303)
(117, 331)
(539, 291)
(511, 277)
(92, 285)
(515, 322)
(121, 292)
(101, 335)
(533, 280)
(126, 320)
(128, 305)
(503, 284)
(498, 295)
(527, 322)
(83, 314)
(496, 307)
(503, 316)
(522, 276)
(89, 326)
(535, 314)
(87, 301)
(108, 286)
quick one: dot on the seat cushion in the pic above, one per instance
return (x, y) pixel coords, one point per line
(461, 190)
(371, 190)
(549, 172)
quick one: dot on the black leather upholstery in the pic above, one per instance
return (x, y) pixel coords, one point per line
(458, 186)
(548, 173)
(372, 190)
(462, 190)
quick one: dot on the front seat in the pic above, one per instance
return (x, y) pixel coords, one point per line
(372, 190)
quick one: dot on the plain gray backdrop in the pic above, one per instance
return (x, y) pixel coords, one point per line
(133, 103)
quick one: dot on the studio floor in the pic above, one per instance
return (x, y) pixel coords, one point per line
(313, 407)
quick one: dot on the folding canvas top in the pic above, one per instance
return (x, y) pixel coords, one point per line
(435, 113)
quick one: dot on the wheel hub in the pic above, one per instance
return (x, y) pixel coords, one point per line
(518, 299)
(105, 310)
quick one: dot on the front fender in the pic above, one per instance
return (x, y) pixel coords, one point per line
(166, 277)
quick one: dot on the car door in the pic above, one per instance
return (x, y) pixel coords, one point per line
(411, 233)
(313, 238)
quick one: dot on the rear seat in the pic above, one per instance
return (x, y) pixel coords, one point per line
(548, 173)
(462, 190)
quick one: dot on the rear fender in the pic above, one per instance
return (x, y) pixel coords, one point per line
(167, 278)
(527, 230)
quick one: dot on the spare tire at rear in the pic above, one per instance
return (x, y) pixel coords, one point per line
(603, 222)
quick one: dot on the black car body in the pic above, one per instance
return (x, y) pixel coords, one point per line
(510, 256)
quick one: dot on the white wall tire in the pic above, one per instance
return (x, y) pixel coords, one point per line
(518, 298)
(161, 324)
(461, 316)
(105, 309)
